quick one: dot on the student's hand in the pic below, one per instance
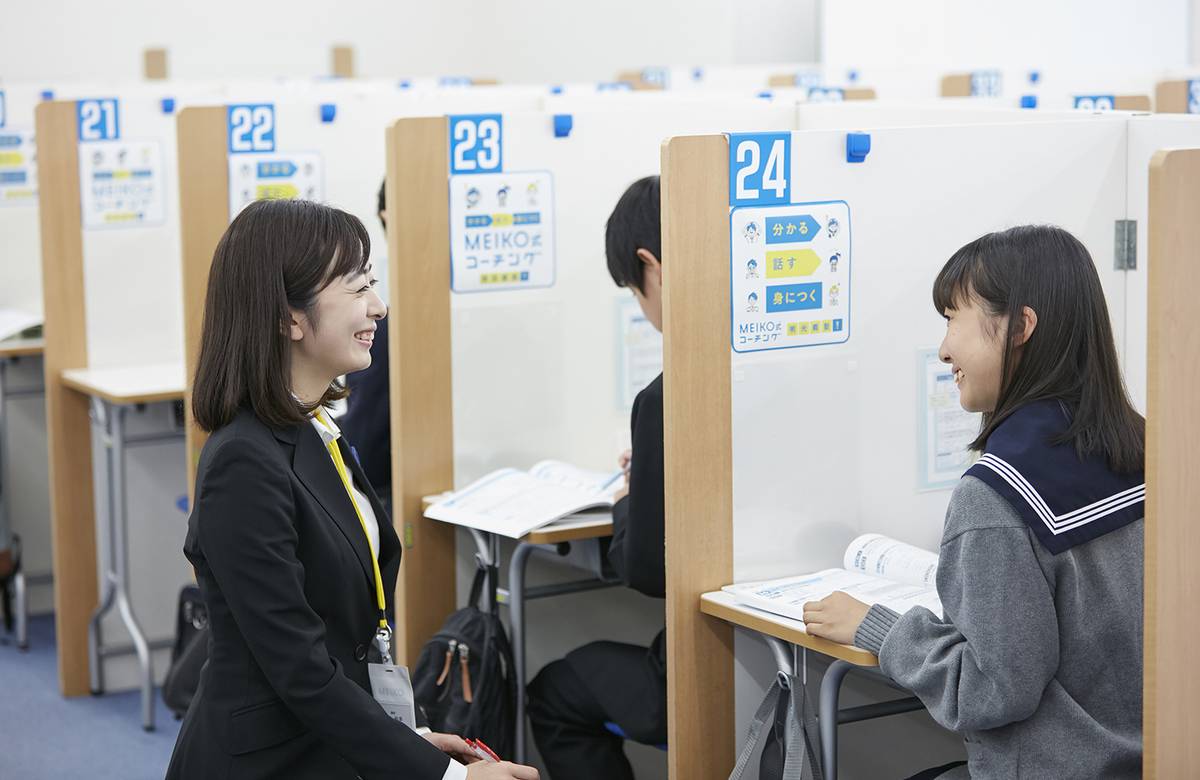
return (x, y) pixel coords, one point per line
(454, 746)
(835, 617)
(623, 461)
(624, 491)
(502, 771)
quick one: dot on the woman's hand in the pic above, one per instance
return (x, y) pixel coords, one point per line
(502, 771)
(835, 617)
(454, 746)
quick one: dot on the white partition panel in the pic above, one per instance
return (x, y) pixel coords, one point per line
(836, 455)
(536, 371)
(1147, 134)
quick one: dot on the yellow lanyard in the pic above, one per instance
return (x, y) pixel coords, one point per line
(338, 463)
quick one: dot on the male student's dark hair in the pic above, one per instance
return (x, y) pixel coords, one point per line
(635, 223)
(1071, 355)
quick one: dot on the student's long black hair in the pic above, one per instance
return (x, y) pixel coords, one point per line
(1071, 355)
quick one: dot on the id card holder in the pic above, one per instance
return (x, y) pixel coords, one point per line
(392, 688)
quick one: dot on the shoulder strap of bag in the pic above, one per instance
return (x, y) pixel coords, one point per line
(765, 714)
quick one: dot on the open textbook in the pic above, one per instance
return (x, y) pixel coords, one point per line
(876, 570)
(512, 503)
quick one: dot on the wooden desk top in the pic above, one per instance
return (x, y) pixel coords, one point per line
(21, 347)
(587, 525)
(722, 605)
(129, 384)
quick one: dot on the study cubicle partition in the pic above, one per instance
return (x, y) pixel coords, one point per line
(804, 404)
(503, 361)
(317, 141)
(1172, 682)
(111, 286)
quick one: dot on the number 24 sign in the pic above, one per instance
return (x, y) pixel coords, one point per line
(760, 168)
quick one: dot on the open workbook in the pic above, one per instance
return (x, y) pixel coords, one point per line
(512, 503)
(876, 570)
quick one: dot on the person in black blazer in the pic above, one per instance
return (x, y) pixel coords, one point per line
(571, 700)
(285, 524)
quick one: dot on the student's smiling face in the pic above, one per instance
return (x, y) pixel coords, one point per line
(974, 347)
(337, 339)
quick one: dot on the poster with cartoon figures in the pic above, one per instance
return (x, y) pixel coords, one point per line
(121, 184)
(18, 168)
(790, 275)
(272, 176)
(501, 231)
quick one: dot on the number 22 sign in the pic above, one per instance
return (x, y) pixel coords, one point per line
(760, 168)
(251, 127)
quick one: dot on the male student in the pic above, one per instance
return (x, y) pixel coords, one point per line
(367, 421)
(571, 700)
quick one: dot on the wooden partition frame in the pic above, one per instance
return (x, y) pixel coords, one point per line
(698, 449)
(154, 64)
(956, 85)
(421, 404)
(1171, 97)
(68, 424)
(341, 60)
(1172, 625)
(1131, 103)
(203, 218)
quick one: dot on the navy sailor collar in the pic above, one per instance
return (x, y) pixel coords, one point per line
(1065, 500)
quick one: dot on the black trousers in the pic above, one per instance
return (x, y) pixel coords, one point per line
(931, 774)
(570, 700)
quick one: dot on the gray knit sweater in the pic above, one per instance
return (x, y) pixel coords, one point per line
(1038, 659)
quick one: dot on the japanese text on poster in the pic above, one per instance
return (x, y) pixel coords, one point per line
(945, 429)
(501, 231)
(121, 184)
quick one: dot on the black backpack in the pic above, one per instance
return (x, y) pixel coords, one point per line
(463, 681)
(189, 653)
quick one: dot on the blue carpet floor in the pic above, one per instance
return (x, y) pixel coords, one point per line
(43, 735)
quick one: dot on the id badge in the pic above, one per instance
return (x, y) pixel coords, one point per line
(392, 688)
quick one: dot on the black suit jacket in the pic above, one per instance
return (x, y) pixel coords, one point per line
(286, 572)
(638, 550)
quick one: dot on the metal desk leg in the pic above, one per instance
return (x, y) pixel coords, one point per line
(121, 568)
(516, 613)
(116, 575)
(827, 715)
(101, 414)
(22, 599)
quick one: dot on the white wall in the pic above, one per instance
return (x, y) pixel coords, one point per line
(519, 40)
(998, 33)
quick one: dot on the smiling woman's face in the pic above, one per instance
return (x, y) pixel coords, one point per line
(974, 347)
(337, 339)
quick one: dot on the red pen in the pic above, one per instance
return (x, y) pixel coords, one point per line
(490, 753)
(481, 752)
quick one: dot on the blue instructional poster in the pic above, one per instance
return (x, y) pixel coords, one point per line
(501, 231)
(789, 272)
(1194, 96)
(18, 167)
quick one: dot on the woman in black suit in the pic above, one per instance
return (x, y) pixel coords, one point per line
(285, 525)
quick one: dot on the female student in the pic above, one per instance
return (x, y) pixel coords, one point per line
(293, 552)
(1038, 658)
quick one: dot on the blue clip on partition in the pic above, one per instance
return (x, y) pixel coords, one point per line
(858, 146)
(168, 105)
(328, 112)
(1035, 76)
(405, 84)
(1028, 101)
(852, 76)
(563, 123)
(556, 89)
(766, 94)
(47, 94)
